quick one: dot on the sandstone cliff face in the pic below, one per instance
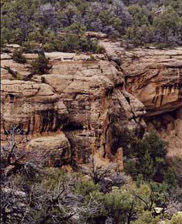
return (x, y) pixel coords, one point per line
(81, 99)
(77, 107)
(169, 126)
(155, 78)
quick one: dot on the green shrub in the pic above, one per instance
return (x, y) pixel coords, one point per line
(147, 218)
(50, 46)
(160, 45)
(30, 46)
(147, 157)
(99, 49)
(18, 56)
(40, 65)
(140, 23)
(176, 219)
(79, 43)
(85, 187)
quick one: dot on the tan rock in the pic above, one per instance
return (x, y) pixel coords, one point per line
(60, 56)
(81, 98)
(170, 131)
(5, 56)
(35, 107)
(86, 99)
(98, 35)
(12, 47)
(119, 159)
(53, 150)
(159, 87)
(22, 69)
(155, 78)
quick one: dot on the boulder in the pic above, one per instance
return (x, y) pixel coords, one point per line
(54, 150)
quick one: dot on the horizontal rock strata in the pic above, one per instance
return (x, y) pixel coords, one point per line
(83, 99)
(155, 78)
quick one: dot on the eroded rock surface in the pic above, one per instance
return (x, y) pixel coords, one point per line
(169, 126)
(155, 78)
(87, 100)
(54, 150)
(82, 98)
(33, 106)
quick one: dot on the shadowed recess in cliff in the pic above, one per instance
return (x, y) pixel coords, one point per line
(40, 122)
